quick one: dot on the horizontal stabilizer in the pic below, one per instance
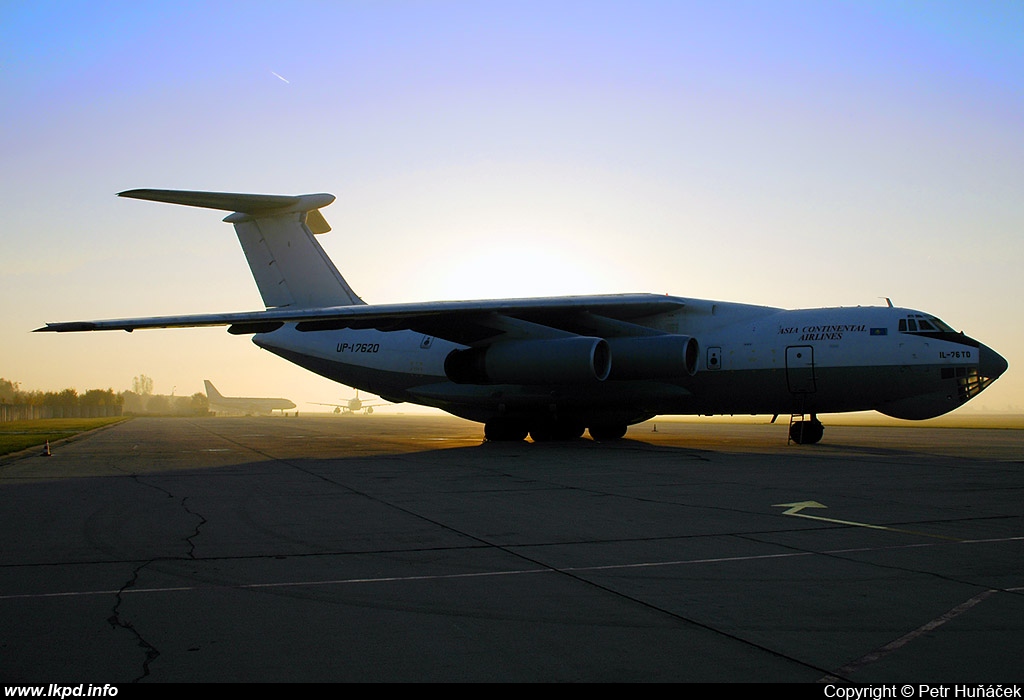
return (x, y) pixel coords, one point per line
(276, 232)
(252, 204)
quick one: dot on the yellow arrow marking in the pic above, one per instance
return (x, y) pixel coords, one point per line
(795, 508)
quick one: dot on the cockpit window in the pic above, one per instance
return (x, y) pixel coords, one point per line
(919, 323)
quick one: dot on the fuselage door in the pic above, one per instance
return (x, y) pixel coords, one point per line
(800, 369)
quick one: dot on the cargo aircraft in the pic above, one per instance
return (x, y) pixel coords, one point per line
(552, 368)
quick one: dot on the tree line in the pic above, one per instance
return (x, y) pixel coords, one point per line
(16, 403)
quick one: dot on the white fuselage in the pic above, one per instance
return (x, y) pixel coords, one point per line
(752, 360)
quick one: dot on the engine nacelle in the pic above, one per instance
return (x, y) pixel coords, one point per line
(575, 360)
(653, 357)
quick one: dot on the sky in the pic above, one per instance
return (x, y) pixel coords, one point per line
(791, 154)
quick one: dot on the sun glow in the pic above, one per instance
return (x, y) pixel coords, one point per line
(528, 267)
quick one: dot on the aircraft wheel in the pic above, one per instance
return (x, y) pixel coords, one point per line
(571, 431)
(559, 430)
(607, 433)
(542, 433)
(504, 431)
(807, 432)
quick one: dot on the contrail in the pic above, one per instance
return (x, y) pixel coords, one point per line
(282, 78)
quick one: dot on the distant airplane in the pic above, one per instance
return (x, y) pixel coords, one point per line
(353, 405)
(554, 367)
(241, 404)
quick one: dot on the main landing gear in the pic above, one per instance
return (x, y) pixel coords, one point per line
(805, 432)
(505, 430)
(609, 432)
(499, 430)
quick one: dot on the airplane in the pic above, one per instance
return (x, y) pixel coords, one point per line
(240, 404)
(353, 405)
(552, 368)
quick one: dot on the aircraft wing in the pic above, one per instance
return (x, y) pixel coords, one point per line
(474, 323)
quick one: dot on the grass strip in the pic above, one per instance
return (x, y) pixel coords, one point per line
(22, 434)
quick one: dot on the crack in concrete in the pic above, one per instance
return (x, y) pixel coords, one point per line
(115, 619)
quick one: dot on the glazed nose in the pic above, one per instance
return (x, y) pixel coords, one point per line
(990, 363)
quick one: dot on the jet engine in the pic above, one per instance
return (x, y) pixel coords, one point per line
(653, 357)
(574, 360)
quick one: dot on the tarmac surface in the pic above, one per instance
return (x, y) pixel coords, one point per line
(403, 548)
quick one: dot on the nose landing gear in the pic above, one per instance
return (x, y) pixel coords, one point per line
(805, 432)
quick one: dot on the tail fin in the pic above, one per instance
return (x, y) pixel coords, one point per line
(211, 390)
(276, 233)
